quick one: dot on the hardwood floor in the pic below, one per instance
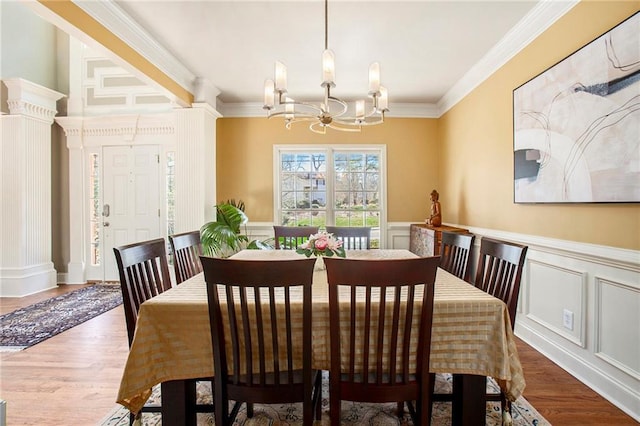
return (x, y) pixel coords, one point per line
(73, 378)
(69, 379)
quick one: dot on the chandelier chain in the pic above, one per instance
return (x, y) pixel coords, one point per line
(331, 112)
(326, 24)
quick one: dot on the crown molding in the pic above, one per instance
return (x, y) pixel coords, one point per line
(538, 20)
(541, 17)
(404, 110)
(412, 110)
(30, 99)
(113, 18)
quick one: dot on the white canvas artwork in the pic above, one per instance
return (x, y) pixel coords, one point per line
(577, 125)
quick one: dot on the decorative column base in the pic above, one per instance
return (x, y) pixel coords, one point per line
(75, 273)
(19, 282)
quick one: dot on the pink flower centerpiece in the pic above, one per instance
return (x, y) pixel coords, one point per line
(321, 244)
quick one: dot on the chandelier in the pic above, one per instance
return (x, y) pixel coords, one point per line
(332, 111)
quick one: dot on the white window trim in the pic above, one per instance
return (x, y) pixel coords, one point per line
(381, 149)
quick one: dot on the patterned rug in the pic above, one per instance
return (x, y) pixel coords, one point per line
(32, 324)
(352, 413)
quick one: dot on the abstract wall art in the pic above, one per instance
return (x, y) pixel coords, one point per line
(577, 125)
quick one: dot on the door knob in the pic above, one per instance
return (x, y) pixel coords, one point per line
(105, 224)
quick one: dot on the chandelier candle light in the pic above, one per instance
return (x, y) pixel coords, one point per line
(331, 112)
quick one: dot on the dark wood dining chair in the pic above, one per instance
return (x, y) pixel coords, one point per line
(352, 237)
(455, 252)
(261, 345)
(375, 339)
(499, 273)
(186, 249)
(144, 273)
(290, 237)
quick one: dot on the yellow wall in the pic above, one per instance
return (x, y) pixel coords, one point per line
(476, 145)
(245, 161)
(467, 154)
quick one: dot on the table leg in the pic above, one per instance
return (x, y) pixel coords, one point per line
(178, 402)
(469, 400)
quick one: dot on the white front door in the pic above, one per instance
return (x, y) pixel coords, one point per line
(131, 199)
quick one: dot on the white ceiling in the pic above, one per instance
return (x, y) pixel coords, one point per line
(431, 52)
(423, 47)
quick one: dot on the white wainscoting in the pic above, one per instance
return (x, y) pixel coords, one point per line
(598, 285)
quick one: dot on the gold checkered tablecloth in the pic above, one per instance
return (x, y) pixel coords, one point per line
(471, 332)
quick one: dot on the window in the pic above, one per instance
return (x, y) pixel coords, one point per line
(95, 215)
(171, 192)
(170, 189)
(342, 186)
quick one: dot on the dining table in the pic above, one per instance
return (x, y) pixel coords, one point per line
(471, 338)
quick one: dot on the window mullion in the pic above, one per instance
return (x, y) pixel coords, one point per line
(330, 186)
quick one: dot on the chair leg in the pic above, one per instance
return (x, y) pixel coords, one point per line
(400, 409)
(221, 407)
(317, 395)
(334, 401)
(249, 410)
(308, 407)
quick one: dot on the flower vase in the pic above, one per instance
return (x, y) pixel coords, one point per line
(319, 264)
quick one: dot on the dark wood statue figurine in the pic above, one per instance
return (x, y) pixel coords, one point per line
(435, 219)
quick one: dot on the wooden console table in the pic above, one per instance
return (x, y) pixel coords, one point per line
(425, 240)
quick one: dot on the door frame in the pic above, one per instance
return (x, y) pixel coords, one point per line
(107, 257)
(190, 133)
(157, 129)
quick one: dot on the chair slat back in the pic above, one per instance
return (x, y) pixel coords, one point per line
(499, 271)
(260, 343)
(379, 310)
(352, 237)
(455, 251)
(187, 249)
(144, 273)
(290, 237)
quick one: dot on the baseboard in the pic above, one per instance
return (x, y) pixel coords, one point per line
(20, 282)
(600, 285)
(612, 390)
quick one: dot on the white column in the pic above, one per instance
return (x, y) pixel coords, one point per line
(195, 166)
(25, 221)
(72, 127)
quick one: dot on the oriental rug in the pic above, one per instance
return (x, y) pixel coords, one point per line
(353, 413)
(32, 324)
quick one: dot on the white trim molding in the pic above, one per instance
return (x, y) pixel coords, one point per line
(599, 285)
(112, 17)
(400, 110)
(541, 17)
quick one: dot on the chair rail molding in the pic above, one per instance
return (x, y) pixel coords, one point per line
(598, 285)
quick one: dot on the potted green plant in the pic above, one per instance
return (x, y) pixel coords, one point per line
(224, 236)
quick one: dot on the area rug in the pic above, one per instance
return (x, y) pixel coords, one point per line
(352, 413)
(34, 323)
